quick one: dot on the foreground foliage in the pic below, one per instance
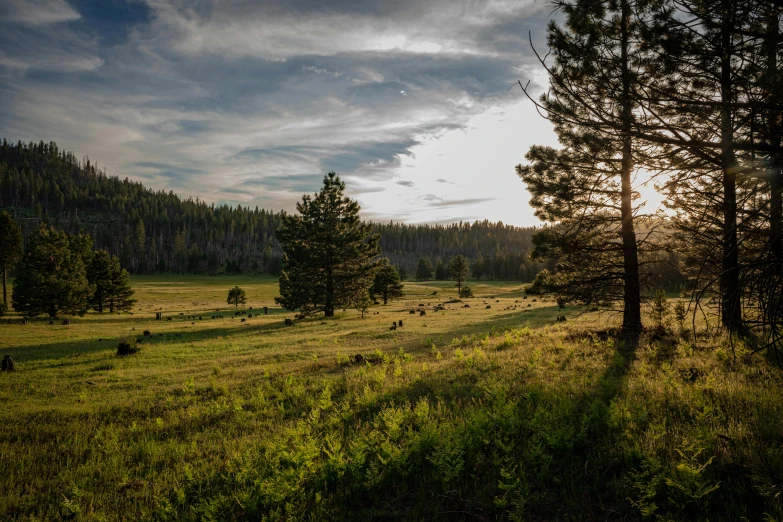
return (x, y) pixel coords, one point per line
(464, 414)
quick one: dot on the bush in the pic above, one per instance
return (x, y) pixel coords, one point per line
(126, 346)
(660, 309)
(539, 285)
(466, 292)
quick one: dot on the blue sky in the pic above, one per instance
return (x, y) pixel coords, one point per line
(412, 102)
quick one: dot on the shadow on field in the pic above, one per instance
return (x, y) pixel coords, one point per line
(70, 349)
(488, 447)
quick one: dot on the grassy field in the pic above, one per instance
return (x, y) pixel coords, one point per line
(492, 412)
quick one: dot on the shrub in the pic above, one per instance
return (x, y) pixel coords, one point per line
(126, 346)
(466, 291)
(680, 313)
(660, 309)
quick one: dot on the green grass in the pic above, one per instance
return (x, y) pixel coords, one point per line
(473, 413)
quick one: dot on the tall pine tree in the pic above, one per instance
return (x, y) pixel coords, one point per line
(328, 252)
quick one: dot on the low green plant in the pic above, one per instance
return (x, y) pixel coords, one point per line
(659, 309)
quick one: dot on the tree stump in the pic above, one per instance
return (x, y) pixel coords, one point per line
(266, 310)
(158, 316)
(66, 322)
(288, 322)
(8, 364)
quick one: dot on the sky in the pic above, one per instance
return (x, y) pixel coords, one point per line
(413, 102)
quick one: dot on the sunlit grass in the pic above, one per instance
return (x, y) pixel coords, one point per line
(466, 413)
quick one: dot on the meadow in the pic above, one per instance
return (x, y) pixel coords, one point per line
(496, 411)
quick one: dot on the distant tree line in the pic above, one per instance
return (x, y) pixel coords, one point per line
(157, 231)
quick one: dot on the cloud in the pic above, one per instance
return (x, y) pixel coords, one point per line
(460, 202)
(241, 101)
(37, 12)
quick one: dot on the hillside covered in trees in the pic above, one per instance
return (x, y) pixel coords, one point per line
(157, 231)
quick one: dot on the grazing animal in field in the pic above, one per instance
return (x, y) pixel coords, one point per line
(489, 306)
(422, 312)
(243, 320)
(412, 311)
(400, 323)
(288, 322)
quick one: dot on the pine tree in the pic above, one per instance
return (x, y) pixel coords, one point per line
(585, 187)
(52, 279)
(478, 266)
(328, 252)
(236, 297)
(459, 269)
(387, 282)
(11, 251)
(111, 282)
(441, 274)
(424, 269)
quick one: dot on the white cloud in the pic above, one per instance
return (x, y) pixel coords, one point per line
(38, 12)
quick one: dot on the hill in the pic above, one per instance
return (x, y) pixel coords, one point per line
(159, 231)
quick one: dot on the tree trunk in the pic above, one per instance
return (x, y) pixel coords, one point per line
(731, 305)
(329, 304)
(774, 131)
(632, 311)
(5, 292)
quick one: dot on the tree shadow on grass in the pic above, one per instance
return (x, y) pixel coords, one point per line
(540, 446)
(71, 349)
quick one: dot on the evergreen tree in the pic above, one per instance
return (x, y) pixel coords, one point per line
(478, 266)
(585, 186)
(52, 279)
(111, 283)
(441, 274)
(459, 269)
(424, 269)
(387, 282)
(403, 273)
(236, 297)
(328, 252)
(11, 250)
(362, 302)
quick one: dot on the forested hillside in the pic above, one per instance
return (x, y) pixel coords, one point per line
(157, 231)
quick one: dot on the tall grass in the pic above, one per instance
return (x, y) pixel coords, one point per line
(479, 415)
